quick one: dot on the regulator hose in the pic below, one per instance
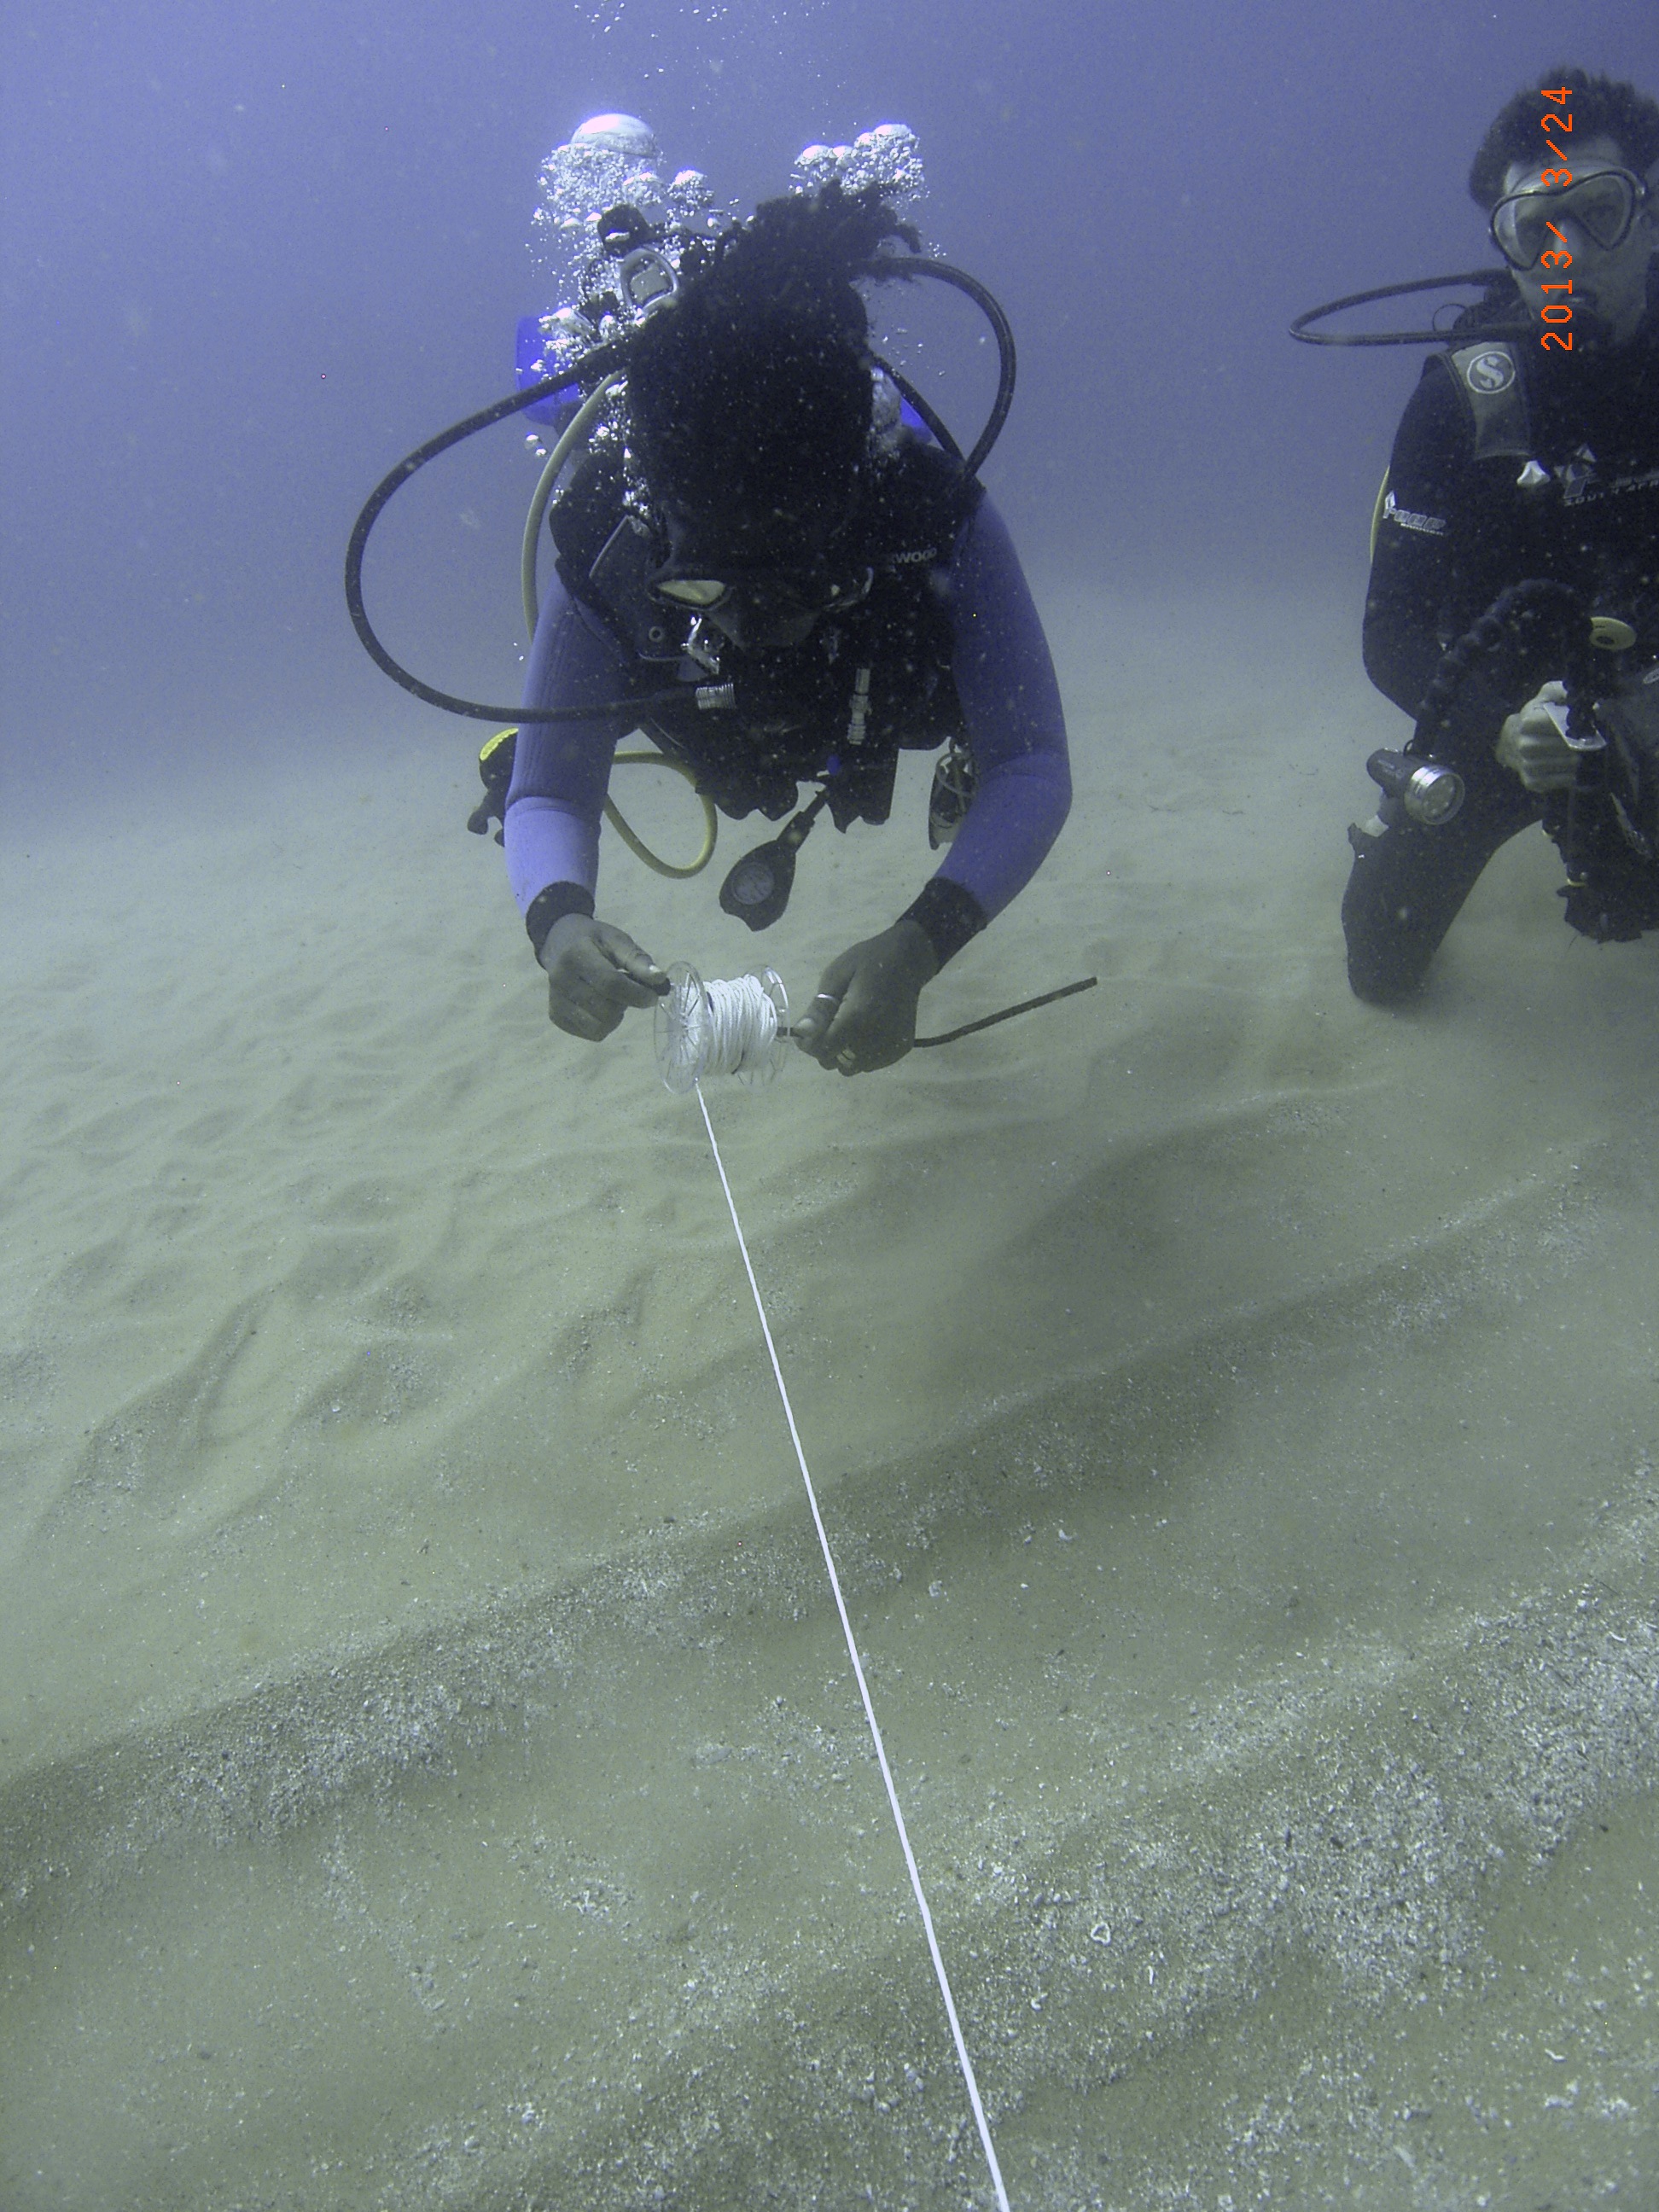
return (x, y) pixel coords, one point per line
(592, 372)
(595, 367)
(1302, 328)
(886, 265)
(1562, 624)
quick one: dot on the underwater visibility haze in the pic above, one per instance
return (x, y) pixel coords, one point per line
(432, 1774)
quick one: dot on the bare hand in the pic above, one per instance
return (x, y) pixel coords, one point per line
(595, 972)
(864, 1014)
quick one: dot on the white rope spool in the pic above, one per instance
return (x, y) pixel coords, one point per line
(738, 1028)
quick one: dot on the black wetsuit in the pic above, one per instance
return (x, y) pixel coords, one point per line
(1558, 477)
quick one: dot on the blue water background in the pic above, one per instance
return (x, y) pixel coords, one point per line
(254, 253)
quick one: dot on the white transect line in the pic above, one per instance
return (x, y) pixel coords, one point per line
(962, 2059)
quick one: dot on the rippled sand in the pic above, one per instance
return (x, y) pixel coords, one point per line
(429, 1773)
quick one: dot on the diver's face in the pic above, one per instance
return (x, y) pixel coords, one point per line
(1610, 283)
(764, 610)
(754, 610)
(766, 588)
(763, 620)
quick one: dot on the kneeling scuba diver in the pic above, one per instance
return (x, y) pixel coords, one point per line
(1544, 708)
(757, 556)
(1585, 745)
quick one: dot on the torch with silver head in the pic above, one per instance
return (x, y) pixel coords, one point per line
(1424, 791)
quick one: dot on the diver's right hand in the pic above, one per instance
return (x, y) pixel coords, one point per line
(595, 972)
(1531, 744)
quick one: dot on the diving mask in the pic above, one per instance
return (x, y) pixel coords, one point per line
(764, 607)
(1524, 225)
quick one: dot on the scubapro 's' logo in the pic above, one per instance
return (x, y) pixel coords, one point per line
(1492, 371)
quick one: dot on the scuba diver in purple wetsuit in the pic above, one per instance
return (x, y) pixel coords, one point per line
(773, 559)
(767, 564)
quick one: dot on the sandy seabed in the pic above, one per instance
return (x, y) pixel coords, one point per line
(429, 1771)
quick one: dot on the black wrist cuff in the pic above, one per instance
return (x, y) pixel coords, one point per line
(552, 905)
(947, 917)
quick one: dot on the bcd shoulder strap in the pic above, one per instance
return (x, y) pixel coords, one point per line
(1488, 377)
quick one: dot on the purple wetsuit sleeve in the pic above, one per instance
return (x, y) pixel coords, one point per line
(1015, 724)
(560, 769)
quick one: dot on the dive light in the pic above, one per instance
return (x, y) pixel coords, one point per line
(1430, 793)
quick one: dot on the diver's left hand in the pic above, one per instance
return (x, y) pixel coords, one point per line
(864, 1014)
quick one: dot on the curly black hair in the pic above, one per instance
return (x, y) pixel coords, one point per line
(750, 397)
(1601, 108)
